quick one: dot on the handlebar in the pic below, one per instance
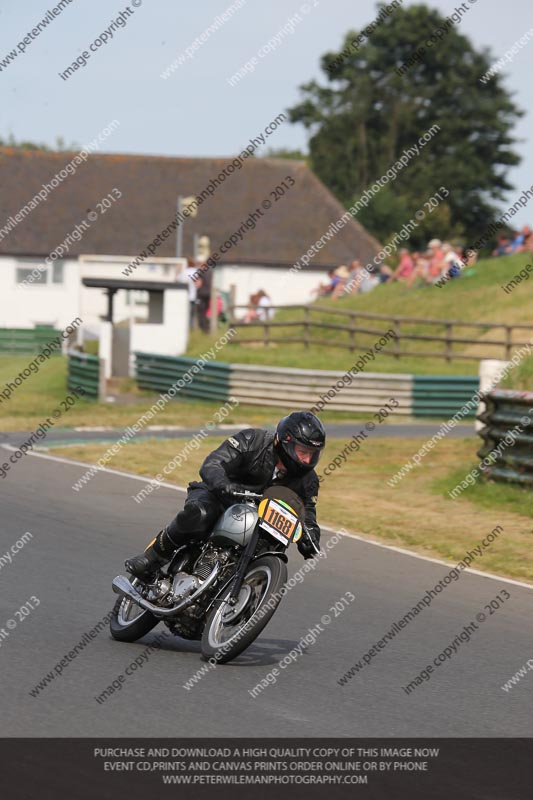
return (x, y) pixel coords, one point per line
(258, 496)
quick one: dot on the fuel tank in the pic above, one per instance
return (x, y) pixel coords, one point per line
(235, 525)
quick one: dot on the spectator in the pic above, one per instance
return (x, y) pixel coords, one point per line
(325, 289)
(353, 281)
(220, 306)
(503, 247)
(264, 306)
(436, 263)
(452, 262)
(422, 262)
(383, 272)
(405, 269)
(519, 243)
(369, 281)
(260, 308)
(251, 314)
(342, 274)
(528, 239)
(192, 288)
(203, 296)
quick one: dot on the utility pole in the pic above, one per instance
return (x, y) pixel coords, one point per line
(179, 230)
(184, 203)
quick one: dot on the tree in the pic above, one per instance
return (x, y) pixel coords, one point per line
(373, 108)
(27, 145)
(284, 152)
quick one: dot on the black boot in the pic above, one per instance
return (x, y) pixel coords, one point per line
(158, 553)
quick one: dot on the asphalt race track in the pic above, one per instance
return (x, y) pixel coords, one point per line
(79, 544)
(340, 430)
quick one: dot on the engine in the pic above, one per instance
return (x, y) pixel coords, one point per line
(190, 622)
(206, 562)
(172, 590)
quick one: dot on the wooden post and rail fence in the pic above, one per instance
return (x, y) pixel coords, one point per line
(347, 332)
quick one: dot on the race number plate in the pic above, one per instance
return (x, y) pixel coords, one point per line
(280, 521)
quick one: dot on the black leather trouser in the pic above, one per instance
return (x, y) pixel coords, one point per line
(195, 521)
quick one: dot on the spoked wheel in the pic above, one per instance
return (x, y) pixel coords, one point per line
(231, 629)
(129, 622)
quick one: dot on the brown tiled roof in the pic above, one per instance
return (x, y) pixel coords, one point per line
(150, 186)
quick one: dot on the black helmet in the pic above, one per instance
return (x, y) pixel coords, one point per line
(300, 431)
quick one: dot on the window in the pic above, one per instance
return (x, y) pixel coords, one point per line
(29, 275)
(58, 272)
(36, 273)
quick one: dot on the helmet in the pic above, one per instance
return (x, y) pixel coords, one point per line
(299, 440)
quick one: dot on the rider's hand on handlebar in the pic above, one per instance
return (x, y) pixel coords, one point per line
(229, 489)
(306, 548)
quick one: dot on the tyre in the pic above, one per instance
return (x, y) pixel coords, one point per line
(129, 622)
(231, 629)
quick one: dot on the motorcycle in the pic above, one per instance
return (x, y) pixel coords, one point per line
(224, 590)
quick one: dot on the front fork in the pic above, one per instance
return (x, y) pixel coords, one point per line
(243, 565)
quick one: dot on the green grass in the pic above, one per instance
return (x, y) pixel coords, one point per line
(487, 494)
(323, 358)
(475, 297)
(521, 377)
(38, 392)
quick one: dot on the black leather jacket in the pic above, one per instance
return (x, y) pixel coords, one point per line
(249, 458)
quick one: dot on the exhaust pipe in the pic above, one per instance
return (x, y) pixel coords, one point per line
(122, 586)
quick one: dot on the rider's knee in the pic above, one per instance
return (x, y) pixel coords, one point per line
(193, 518)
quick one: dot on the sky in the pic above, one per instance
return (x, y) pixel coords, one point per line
(195, 111)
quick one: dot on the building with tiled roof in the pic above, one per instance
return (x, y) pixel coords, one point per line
(66, 216)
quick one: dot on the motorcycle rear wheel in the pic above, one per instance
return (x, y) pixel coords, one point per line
(231, 629)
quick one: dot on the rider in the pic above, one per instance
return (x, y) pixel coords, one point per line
(251, 460)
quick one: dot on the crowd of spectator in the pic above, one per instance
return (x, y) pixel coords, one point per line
(520, 242)
(440, 260)
(414, 269)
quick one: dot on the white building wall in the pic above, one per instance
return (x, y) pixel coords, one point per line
(24, 306)
(94, 301)
(282, 286)
(27, 305)
(59, 304)
(169, 338)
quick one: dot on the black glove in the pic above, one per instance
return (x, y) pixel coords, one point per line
(304, 545)
(225, 490)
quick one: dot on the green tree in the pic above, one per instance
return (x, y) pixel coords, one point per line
(28, 145)
(367, 114)
(285, 152)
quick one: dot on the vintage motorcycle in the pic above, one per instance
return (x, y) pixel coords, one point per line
(223, 590)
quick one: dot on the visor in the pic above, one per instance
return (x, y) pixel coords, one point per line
(302, 454)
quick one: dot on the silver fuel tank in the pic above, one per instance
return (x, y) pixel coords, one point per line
(235, 526)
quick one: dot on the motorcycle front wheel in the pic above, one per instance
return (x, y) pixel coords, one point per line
(231, 629)
(129, 622)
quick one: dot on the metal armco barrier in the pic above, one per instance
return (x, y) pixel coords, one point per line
(513, 460)
(289, 388)
(210, 382)
(442, 396)
(86, 371)
(284, 386)
(26, 341)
